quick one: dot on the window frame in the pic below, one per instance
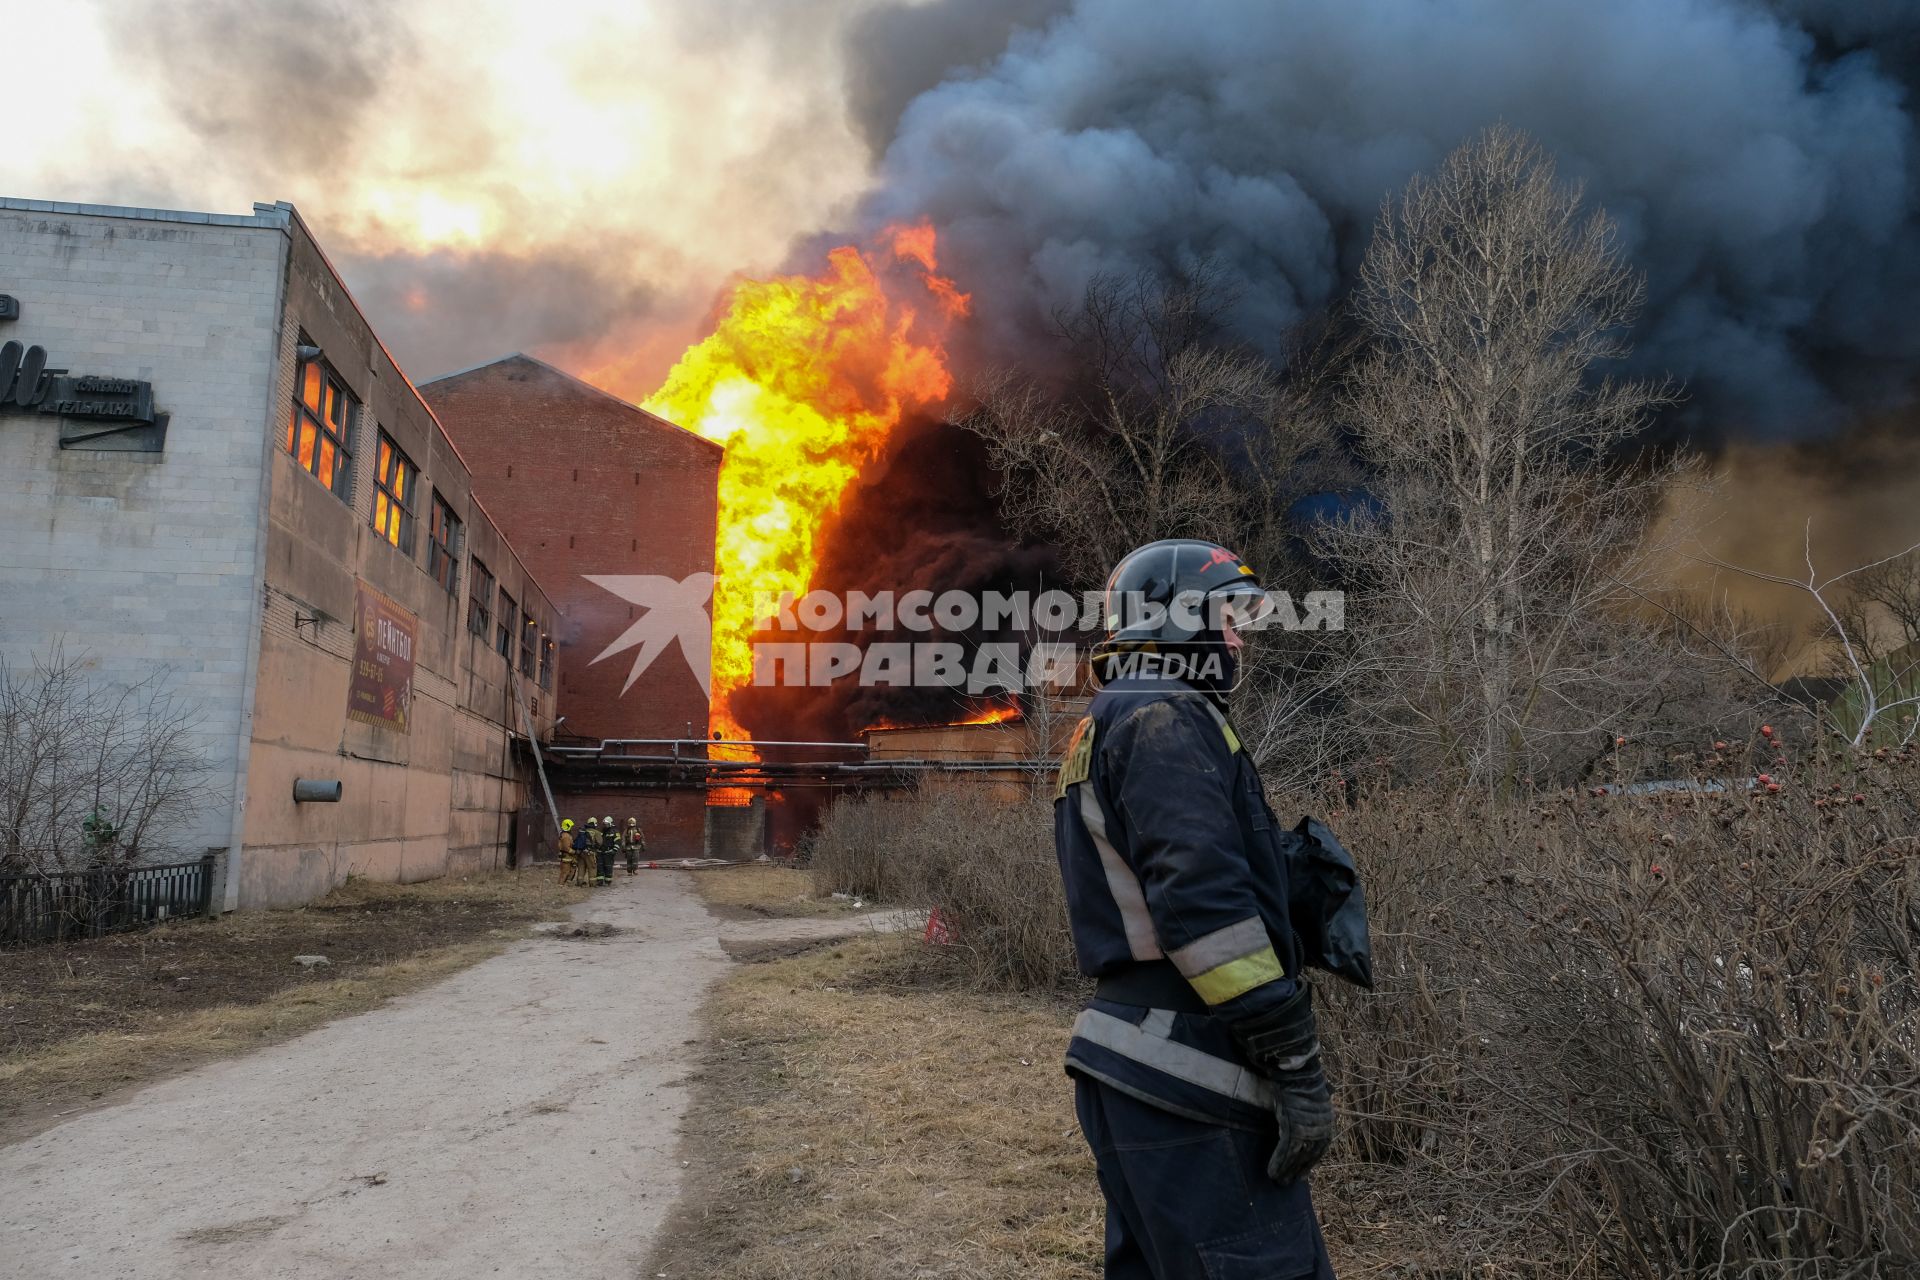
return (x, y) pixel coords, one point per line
(528, 651)
(503, 640)
(546, 662)
(440, 515)
(480, 600)
(315, 422)
(401, 504)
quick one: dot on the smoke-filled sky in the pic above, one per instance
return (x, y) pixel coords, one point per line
(490, 175)
(578, 177)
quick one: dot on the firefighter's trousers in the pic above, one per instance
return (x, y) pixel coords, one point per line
(1187, 1200)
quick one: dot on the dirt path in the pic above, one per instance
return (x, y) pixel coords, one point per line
(516, 1120)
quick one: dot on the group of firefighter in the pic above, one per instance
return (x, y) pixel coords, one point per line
(587, 856)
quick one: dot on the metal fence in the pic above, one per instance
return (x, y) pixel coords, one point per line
(87, 904)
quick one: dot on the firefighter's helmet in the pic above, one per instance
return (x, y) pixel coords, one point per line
(1175, 596)
(566, 824)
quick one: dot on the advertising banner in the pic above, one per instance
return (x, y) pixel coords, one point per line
(381, 690)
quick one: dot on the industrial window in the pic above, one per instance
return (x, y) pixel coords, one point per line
(443, 545)
(480, 602)
(394, 476)
(546, 663)
(503, 638)
(529, 643)
(320, 427)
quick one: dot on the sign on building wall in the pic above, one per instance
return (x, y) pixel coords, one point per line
(97, 412)
(381, 690)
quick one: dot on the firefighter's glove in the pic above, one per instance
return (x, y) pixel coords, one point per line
(1285, 1047)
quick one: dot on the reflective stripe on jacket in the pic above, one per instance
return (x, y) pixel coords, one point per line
(1168, 850)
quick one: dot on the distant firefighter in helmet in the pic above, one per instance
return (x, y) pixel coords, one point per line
(1196, 1065)
(590, 856)
(634, 842)
(569, 859)
(609, 849)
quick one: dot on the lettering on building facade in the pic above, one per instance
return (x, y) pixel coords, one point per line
(99, 412)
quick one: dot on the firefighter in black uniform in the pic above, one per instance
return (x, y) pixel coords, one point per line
(1197, 1064)
(591, 852)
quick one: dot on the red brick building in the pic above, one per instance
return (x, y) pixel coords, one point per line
(613, 510)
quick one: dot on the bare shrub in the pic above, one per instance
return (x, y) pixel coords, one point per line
(1643, 1036)
(852, 850)
(983, 859)
(93, 776)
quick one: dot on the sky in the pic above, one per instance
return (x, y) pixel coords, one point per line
(580, 179)
(589, 171)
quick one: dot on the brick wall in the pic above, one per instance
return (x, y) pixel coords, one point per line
(222, 571)
(585, 484)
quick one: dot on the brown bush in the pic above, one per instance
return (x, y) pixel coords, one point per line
(1650, 1036)
(1612, 1036)
(983, 860)
(853, 851)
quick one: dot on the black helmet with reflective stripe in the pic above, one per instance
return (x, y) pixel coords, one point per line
(1167, 608)
(1175, 592)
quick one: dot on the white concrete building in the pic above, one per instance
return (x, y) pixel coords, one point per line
(164, 513)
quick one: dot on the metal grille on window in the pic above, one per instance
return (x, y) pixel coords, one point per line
(443, 545)
(393, 484)
(529, 643)
(320, 427)
(503, 638)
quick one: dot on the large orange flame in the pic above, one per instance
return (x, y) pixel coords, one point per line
(803, 379)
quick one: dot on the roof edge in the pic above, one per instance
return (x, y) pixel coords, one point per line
(264, 216)
(577, 381)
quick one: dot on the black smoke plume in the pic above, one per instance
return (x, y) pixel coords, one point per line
(1759, 159)
(923, 518)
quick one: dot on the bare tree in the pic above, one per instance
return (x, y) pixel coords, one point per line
(1506, 540)
(1164, 431)
(1881, 681)
(93, 776)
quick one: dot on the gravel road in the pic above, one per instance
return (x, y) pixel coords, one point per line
(517, 1119)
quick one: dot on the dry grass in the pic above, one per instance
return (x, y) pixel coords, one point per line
(746, 892)
(92, 1018)
(859, 1116)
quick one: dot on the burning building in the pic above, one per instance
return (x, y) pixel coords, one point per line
(731, 475)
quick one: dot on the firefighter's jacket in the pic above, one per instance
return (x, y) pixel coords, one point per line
(1169, 852)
